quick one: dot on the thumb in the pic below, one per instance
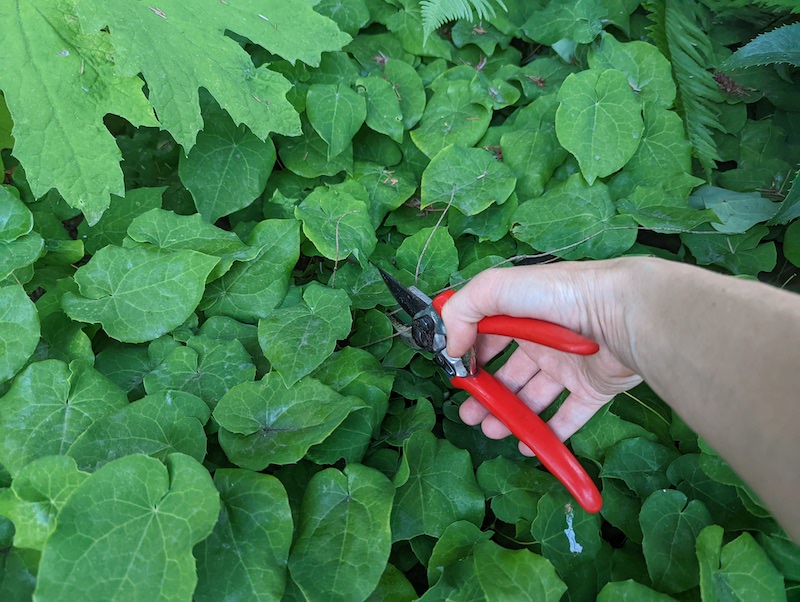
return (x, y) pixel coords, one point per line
(462, 312)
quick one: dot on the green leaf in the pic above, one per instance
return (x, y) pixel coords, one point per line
(489, 225)
(398, 428)
(138, 294)
(574, 220)
(664, 146)
(36, 496)
(781, 45)
(739, 570)
(383, 107)
(451, 117)
(532, 154)
(250, 542)
(349, 15)
(790, 206)
(338, 223)
(156, 425)
(15, 218)
(641, 463)
(603, 431)
(543, 76)
(515, 574)
(59, 106)
(251, 289)
(661, 211)
(621, 508)
(737, 211)
(569, 535)
(112, 227)
(6, 139)
(470, 179)
(514, 488)
(19, 330)
(484, 35)
(307, 155)
(435, 487)
(630, 590)
(166, 510)
(205, 367)
(298, 338)
(386, 188)
(19, 253)
(431, 256)
(373, 333)
(265, 422)
(407, 86)
(670, 526)
(721, 500)
(599, 121)
(393, 587)
(456, 543)
(407, 25)
(48, 406)
(579, 22)
(347, 512)
(336, 112)
(791, 243)
(739, 253)
(18, 573)
(173, 232)
(228, 167)
(183, 48)
(782, 552)
(648, 71)
(354, 372)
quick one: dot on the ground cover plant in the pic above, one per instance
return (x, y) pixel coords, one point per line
(201, 395)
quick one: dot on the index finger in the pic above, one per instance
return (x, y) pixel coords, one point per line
(521, 291)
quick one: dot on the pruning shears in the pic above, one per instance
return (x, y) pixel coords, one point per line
(428, 334)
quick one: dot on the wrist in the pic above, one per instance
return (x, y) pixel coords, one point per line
(621, 290)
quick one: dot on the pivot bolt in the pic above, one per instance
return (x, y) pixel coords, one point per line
(422, 332)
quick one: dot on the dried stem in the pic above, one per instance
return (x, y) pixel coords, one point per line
(336, 261)
(428, 242)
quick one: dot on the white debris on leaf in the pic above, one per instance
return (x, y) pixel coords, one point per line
(574, 546)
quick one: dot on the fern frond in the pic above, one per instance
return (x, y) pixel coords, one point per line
(674, 29)
(436, 13)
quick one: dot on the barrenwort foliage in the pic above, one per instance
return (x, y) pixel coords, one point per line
(201, 395)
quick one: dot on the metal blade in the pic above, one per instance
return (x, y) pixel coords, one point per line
(409, 300)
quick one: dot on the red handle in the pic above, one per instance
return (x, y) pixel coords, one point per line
(533, 432)
(530, 329)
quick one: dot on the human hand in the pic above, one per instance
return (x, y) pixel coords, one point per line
(582, 296)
